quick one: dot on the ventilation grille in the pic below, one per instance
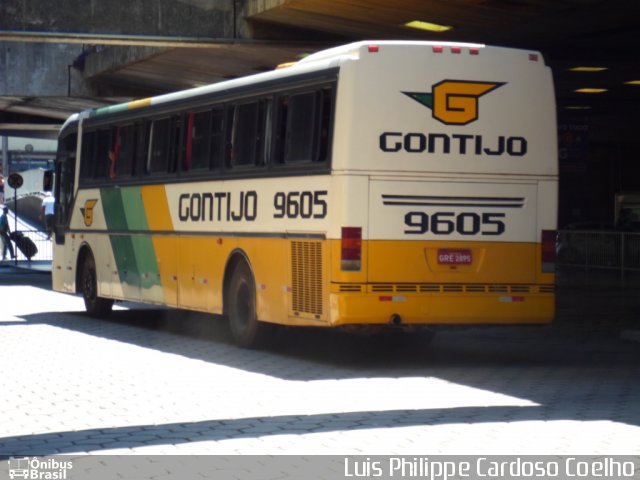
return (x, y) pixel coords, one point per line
(306, 277)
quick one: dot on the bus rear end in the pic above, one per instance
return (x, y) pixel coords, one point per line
(445, 164)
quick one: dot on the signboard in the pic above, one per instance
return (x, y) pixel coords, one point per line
(15, 180)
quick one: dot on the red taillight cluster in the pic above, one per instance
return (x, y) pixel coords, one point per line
(549, 251)
(351, 249)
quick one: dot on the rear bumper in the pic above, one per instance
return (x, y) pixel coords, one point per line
(379, 308)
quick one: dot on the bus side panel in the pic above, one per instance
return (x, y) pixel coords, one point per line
(268, 259)
(166, 250)
(201, 262)
(63, 269)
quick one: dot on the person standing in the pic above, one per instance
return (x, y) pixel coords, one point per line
(4, 234)
(47, 213)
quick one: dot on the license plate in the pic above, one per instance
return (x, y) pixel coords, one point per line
(454, 256)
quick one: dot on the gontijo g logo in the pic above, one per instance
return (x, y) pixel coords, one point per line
(454, 102)
(87, 211)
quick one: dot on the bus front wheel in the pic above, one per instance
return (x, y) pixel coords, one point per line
(247, 331)
(95, 305)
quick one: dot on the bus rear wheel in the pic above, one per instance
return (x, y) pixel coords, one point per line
(247, 331)
(96, 306)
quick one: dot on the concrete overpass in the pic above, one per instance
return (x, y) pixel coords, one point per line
(61, 56)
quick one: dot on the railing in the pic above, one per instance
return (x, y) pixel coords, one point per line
(599, 249)
(42, 243)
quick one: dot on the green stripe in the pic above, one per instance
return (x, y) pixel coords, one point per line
(110, 109)
(113, 209)
(135, 255)
(136, 217)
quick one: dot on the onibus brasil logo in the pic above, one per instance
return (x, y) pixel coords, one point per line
(39, 468)
(454, 102)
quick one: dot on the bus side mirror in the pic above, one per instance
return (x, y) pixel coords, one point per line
(47, 181)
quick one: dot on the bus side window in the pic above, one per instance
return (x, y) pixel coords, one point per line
(301, 121)
(196, 142)
(217, 138)
(126, 151)
(187, 143)
(64, 187)
(177, 132)
(159, 146)
(280, 127)
(245, 132)
(142, 146)
(114, 152)
(303, 125)
(87, 154)
(266, 129)
(326, 116)
(101, 154)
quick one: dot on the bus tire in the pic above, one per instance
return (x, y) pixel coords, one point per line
(247, 331)
(96, 306)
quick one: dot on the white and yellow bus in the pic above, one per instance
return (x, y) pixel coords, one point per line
(374, 184)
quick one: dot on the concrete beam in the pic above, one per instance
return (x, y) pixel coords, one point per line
(256, 7)
(107, 59)
(136, 18)
(37, 69)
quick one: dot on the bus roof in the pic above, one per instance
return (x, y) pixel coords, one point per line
(316, 61)
(353, 49)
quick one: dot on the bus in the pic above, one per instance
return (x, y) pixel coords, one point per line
(379, 184)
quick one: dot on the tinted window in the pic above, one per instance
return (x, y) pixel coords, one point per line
(126, 150)
(159, 146)
(303, 125)
(244, 134)
(88, 154)
(217, 138)
(196, 155)
(301, 128)
(101, 154)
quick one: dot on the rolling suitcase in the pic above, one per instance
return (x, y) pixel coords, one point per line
(24, 244)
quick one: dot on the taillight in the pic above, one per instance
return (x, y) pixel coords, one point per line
(351, 249)
(548, 251)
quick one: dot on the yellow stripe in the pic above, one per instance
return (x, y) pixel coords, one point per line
(156, 208)
(145, 102)
(159, 219)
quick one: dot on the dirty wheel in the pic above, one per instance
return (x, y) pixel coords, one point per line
(95, 305)
(247, 331)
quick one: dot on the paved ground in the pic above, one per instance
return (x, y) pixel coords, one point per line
(157, 381)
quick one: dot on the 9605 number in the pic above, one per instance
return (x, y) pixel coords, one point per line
(300, 204)
(446, 223)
